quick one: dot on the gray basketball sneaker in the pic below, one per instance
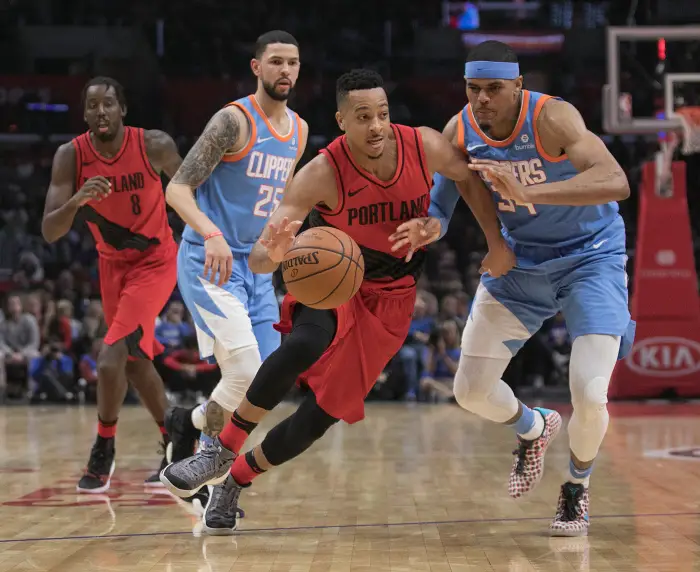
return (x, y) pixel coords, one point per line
(222, 513)
(210, 466)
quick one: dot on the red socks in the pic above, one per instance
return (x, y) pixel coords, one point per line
(245, 469)
(236, 432)
(106, 429)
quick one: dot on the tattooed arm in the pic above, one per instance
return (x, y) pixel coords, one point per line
(227, 131)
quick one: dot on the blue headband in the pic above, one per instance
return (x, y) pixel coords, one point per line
(491, 70)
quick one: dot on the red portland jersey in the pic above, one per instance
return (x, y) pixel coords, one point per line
(369, 209)
(136, 205)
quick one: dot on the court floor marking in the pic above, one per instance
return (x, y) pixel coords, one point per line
(329, 526)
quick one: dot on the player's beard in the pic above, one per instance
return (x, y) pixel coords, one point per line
(270, 89)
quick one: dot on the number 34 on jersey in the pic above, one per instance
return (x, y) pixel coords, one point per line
(528, 172)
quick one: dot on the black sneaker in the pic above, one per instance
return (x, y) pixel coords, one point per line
(154, 479)
(183, 435)
(222, 513)
(100, 467)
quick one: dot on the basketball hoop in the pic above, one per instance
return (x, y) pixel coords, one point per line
(690, 116)
(690, 139)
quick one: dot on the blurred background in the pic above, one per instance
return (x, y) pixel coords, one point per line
(181, 60)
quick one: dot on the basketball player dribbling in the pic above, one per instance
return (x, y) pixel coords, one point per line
(239, 169)
(376, 167)
(556, 185)
(111, 176)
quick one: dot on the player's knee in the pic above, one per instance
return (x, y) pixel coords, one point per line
(112, 361)
(305, 345)
(590, 398)
(470, 389)
(237, 373)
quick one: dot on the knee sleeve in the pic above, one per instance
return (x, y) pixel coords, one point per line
(593, 358)
(237, 373)
(312, 333)
(478, 388)
(592, 398)
(297, 433)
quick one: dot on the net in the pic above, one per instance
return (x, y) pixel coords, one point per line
(690, 117)
(688, 141)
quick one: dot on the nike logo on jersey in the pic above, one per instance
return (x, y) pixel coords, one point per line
(353, 193)
(263, 139)
(476, 146)
(597, 245)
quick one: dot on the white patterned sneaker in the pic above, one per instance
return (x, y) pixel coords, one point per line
(528, 465)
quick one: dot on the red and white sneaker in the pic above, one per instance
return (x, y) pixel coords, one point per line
(572, 511)
(528, 465)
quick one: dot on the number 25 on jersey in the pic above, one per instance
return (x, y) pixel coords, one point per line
(271, 197)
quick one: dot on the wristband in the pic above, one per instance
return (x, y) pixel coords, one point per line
(213, 234)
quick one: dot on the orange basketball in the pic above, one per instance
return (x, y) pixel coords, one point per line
(324, 268)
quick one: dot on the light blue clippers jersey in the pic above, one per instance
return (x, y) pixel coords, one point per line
(528, 224)
(246, 187)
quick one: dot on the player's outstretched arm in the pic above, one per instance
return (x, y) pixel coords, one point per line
(223, 132)
(445, 158)
(162, 152)
(313, 184)
(61, 204)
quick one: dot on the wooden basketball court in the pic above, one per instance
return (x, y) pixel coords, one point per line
(411, 488)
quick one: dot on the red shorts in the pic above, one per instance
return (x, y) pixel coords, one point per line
(372, 327)
(133, 295)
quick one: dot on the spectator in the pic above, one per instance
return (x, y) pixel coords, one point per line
(19, 341)
(172, 330)
(93, 321)
(59, 326)
(53, 375)
(87, 370)
(183, 370)
(442, 361)
(411, 353)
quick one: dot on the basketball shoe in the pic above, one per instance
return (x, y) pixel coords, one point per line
(209, 466)
(528, 465)
(183, 434)
(572, 511)
(100, 467)
(154, 479)
(222, 513)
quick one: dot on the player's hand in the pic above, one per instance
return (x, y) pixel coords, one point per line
(280, 238)
(415, 234)
(499, 260)
(94, 189)
(218, 260)
(501, 178)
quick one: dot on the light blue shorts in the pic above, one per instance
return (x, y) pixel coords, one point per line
(587, 283)
(239, 314)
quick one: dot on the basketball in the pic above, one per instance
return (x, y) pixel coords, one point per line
(324, 268)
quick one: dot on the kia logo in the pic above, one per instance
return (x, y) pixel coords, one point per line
(665, 357)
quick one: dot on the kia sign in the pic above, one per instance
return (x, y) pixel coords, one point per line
(665, 357)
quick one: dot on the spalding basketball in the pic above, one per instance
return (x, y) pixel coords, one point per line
(324, 268)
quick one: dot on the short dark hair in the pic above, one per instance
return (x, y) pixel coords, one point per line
(109, 82)
(273, 37)
(492, 51)
(354, 80)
